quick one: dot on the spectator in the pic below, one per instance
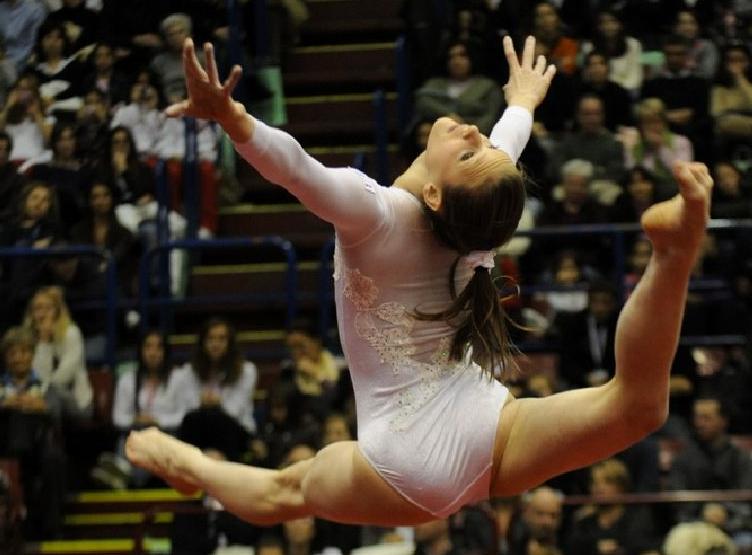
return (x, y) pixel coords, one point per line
(300, 535)
(731, 98)
(594, 79)
(219, 384)
(168, 64)
(141, 117)
(731, 198)
(637, 261)
(59, 351)
(80, 23)
(569, 278)
(336, 428)
(145, 396)
(104, 77)
(656, 147)
(591, 141)
(24, 120)
(611, 527)
(698, 538)
(548, 29)
(711, 461)
(684, 96)
(19, 21)
(433, 538)
(101, 228)
(11, 182)
(462, 94)
(554, 115)
(59, 73)
(702, 59)
(540, 523)
(92, 127)
(586, 338)
(8, 73)
(624, 52)
(30, 418)
(639, 194)
(62, 170)
(576, 205)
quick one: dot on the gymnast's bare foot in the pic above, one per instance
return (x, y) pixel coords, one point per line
(165, 456)
(676, 227)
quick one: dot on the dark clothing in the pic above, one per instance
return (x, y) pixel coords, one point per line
(600, 149)
(117, 88)
(707, 467)
(623, 210)
(199, 428)
(80, 16)
(557, 109)
(70, 187)
(724, 206)
(633, 532)
(11, 183)
(135, 182)
(617, 104)
(591, 212)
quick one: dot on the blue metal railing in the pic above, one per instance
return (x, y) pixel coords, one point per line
(166, 302)
(111, 293)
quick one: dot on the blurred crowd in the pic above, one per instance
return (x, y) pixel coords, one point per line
(640, 84)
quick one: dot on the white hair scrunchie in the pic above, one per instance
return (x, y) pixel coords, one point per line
(478, 259)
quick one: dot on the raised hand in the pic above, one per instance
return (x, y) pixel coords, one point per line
(677, 226)
(528, 83)
(207, 97)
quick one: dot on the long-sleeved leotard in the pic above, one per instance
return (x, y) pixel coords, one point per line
(426, 424)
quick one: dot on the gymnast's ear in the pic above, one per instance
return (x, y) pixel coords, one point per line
(432, 196)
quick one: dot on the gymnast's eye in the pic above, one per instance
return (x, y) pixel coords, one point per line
(467, 155)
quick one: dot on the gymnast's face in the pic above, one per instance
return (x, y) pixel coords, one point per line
(458, 154)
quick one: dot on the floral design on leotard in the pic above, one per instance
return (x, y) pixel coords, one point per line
(387, 328)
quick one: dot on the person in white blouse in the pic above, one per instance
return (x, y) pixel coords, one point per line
(59, 353)
(423, 328)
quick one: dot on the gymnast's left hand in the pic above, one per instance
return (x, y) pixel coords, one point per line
(208, 98)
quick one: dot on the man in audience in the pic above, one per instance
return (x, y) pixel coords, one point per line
(19, 22)
(168, 64)
(711, 461)
(540, 522)
(617, 103)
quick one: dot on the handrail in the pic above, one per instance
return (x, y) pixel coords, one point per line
(111, 292)
(291, 279)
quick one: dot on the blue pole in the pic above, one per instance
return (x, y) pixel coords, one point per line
(381, 138)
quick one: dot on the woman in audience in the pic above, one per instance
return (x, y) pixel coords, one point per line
(731, 96)
(702, 59)
(624, 52)
(461, 93)
(548, 30)
(638, 195)
(24, 119)
(218, 384)
(59, 74)
(101, 228)
(59, 352)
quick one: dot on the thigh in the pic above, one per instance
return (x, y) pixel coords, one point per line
(541, 438)
(342, 486)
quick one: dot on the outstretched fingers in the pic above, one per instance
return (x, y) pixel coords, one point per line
(511, 55)
(232, 80)
(178, 109)
(528, 52)
(192, 68)
(211, 64)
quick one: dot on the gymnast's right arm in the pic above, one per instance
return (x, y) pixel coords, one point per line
(342, 196)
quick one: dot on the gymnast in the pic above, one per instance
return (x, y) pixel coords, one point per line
(424, 332)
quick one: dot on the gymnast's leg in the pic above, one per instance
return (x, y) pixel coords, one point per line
(540, 438)
(338, 484)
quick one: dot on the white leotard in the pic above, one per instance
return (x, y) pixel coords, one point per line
(426, 424)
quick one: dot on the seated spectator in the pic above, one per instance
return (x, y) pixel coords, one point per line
(684, 96)
(29, 421)
(702, 58)
(731, 98)
(711, 461)
(145, 396)
(104, 77)
(538, 526)
(611, 527)
(141, 117)
(168, 64)
(33, 224)
(639, 194)
(23, 118)
(554, 115)
(218, 385)
(315, 367)
(731, 199)
(586, 338)
(92, 127)
(591, 141)
(11, 182)
(8, 73)
(576, 205)
(59, 352)
(656, 147)
(80, 23)
(58, 71)
(101, 228)
(19, 21)
(63, 171)
(548, 29)
(461, 93)
(624, 53)
(569, 277)
(594, 79)
(637, 262)
(698, 538)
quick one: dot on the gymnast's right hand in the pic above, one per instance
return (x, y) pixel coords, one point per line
(208, 98)
(529, 79)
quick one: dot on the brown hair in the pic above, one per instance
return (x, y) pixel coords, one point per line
(231, 364)
(17, 336)
(481, 218)
(613, 472)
